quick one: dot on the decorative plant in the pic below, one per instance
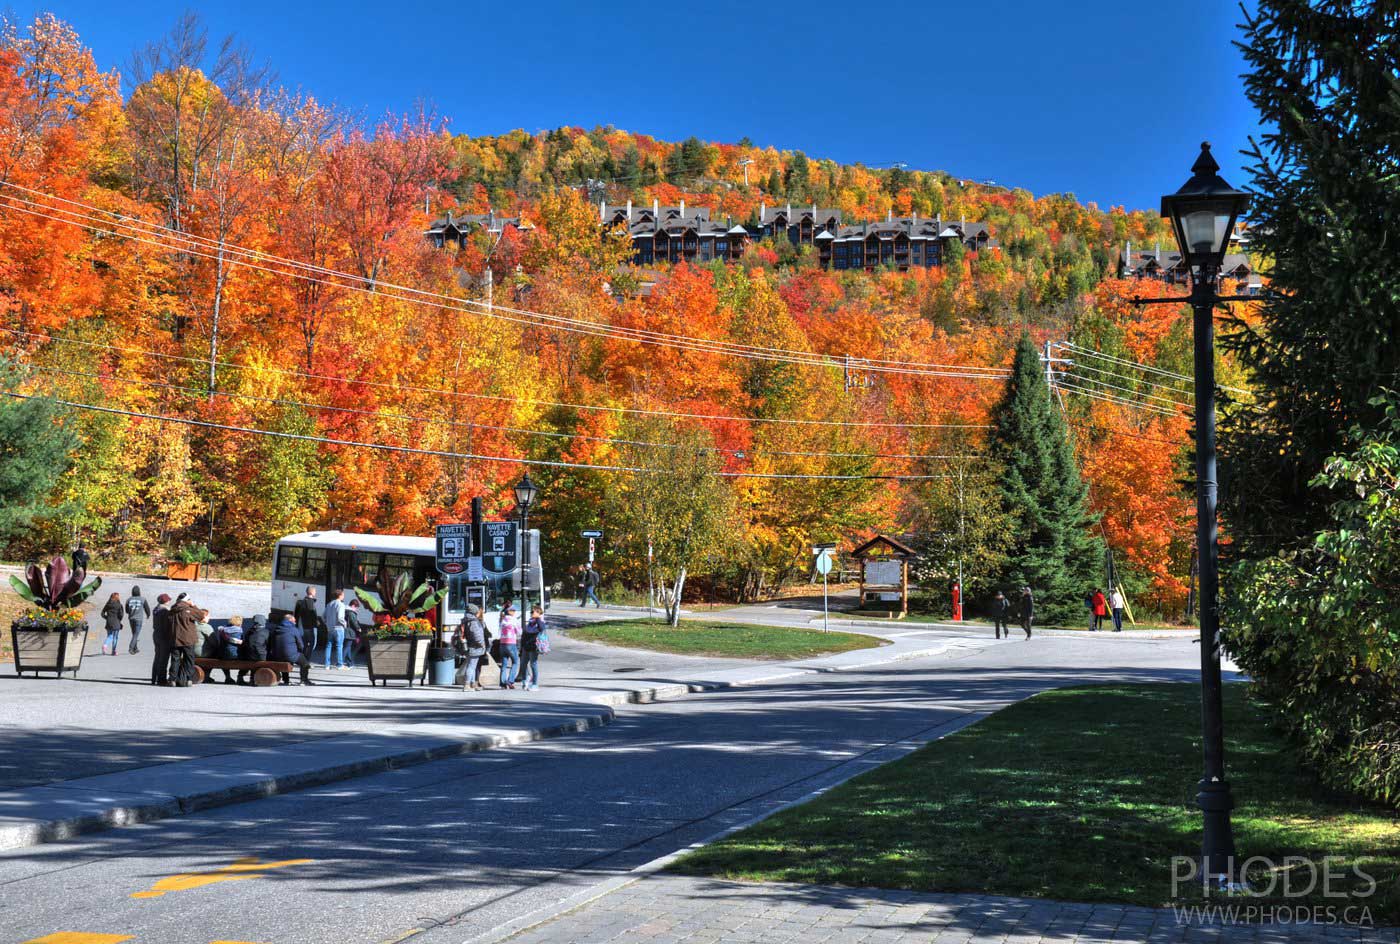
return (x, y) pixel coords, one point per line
(404, 626)
(56, 591)
(194, 554)
(394, 595)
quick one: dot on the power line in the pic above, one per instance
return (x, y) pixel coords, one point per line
(439, 391)
(1113, 398)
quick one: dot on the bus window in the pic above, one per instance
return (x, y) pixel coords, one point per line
(367, 564)
(289, 562)
(395, 564)
(315, 569)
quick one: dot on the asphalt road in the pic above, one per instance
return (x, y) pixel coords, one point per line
(447, 851)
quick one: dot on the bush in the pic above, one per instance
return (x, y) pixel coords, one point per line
(1319, 630)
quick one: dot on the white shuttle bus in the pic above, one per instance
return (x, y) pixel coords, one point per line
(331, 560)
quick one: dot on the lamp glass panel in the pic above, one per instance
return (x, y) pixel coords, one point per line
(1202, 229)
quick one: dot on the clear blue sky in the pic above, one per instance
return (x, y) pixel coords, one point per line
(1105, 99)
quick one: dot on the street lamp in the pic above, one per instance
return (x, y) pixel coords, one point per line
(1203, 213)
(525, 492)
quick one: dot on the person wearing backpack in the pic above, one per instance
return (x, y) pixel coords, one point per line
(137, 612)
(533, 641)
(471, 638)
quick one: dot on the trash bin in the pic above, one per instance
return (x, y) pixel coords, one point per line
(442, 666)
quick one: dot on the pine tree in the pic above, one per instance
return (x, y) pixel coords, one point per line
(35, 450)
(1327, 198)
(1053, 548)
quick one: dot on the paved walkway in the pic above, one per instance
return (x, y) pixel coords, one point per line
(669, 909)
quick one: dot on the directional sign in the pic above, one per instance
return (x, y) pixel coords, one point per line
(590, 534)
(453, 545)
(499, 546)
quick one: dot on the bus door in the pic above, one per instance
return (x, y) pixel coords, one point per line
(340, 573)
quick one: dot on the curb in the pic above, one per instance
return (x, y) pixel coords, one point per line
(21, 835)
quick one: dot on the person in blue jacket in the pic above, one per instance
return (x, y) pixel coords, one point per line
(286, 644)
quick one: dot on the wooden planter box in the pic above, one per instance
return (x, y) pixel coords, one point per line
(174, 570)
(402, 658)
(48, 650)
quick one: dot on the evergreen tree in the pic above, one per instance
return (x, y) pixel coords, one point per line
(1053, 548)
(35, 449)
(1322, 76)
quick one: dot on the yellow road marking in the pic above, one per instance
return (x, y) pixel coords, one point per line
(80, 937)
(241, 870)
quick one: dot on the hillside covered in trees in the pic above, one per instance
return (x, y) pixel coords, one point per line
(222, 292)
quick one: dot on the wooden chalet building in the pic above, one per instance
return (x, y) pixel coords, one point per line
(453, 231)
(674, 233)
(1162, 265)
(801, 226)
(898, 242)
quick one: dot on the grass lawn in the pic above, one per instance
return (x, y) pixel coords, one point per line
(1080, 794)
(715, 638)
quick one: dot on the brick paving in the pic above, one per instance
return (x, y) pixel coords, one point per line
(670, 909)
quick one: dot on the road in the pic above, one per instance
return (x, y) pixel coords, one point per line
(447, 851)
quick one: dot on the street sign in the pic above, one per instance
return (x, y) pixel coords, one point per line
(590, 534)
(591, 549)
(819, 549)
(499, 546)
(823, 564)
(453, 544)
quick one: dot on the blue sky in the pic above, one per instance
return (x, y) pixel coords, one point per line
(1088, 96)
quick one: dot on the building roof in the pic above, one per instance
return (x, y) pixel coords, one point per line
(767, 214)
(899, 548)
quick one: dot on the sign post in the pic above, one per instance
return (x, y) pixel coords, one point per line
(593, 536)
(453, 548)
(823, 554)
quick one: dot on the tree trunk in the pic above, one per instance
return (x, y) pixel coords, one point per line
(673, 604)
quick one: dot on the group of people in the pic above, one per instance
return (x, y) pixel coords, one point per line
(1001, 612)
(342, 624)
(1101, 606)
(517, 651)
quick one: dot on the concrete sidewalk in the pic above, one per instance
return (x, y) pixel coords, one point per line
(108, 749)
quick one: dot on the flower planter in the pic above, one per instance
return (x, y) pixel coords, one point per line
(174, 570)
(48, 650)
(402, 658)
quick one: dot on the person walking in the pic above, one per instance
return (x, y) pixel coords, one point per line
(185, 618)
(112, 613)
(472, 636)
(336, 625)
(137, 612)
(1115, 603)
(1027, 610)
(1001, 613)
(1099, 604)
(80, 558)
(591, 580)
(531, 640)
(286, 643)
(161, 640)
(510, 646)
(308, 619)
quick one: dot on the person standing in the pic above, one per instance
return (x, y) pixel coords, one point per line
(185, 618)
(355, 628)
(510, 646)
(591, 580)
(1099, 603)
(530, 649)
(288, 644)
(1115, 602)
(137, 611)
(112, 613)
(1027, 610)
(1001, 613)
(80, 558)
(473, 639)
(336, 624)
(161, 640)
(308, 619)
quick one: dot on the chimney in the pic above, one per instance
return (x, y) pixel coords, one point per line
(762, 211)
(682, 209)
(1158, 252)
(889, 217)
(656, 209)
(629, 211)
(938, 223)
(603, 210)
(1128, 256)
(914, 217)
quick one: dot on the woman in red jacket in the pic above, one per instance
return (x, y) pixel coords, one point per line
(1099, 603)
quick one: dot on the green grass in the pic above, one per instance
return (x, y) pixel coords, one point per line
(1079, 794)
(715, 638)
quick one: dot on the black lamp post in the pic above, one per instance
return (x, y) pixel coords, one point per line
(1203, 213)
(525, 492)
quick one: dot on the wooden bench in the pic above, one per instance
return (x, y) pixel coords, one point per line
(264, 672)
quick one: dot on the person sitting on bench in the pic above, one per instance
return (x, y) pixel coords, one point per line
(254, 648)
(286, 644)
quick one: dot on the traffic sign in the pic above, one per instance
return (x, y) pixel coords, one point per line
(590, 534)
(823, 564)
(453, 545)
(499, 546)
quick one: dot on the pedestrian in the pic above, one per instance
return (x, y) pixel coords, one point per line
(1099, 603)
(1089, 608)
(1001, 612)
(80, 558)
(112, 613)
(510, 646)
(1027, 610)
(533, 641)
(1115, 602)
(287, 643)
(591, 580)
(254, 648)
(162, 640)
(583, 585)
(336, 625)
(356, 629)
(137, 611)
(185, 618)
(308, 619)
(471, 637)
